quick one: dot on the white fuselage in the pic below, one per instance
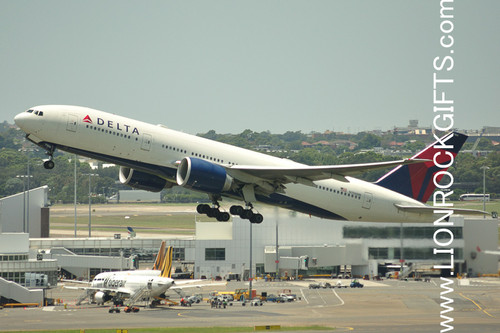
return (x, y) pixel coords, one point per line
(133, 143)
(131, 282)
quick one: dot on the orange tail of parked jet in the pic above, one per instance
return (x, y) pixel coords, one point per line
(163, 260)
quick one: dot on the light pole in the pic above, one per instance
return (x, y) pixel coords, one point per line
(24, 200)
(277, 261)
(74, 197)
(27, 200)
(401, 260)
(250, 268)
(484, 168)
(90, 201)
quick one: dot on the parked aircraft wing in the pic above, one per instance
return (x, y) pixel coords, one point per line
(195, 284)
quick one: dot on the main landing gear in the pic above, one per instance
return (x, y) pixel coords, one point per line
(247, 214)
(213, 212)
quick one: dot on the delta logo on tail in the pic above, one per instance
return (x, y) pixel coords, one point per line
(87, 119)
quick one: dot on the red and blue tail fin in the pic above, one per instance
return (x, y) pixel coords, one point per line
(417, 180)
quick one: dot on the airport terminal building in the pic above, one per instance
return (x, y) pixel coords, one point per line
(286, 243)
(314, 246)
(306, 246)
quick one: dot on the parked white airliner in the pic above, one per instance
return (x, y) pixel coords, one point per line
(155, 157)
(135, 285)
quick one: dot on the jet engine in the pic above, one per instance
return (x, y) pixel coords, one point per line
(201, 175)
(142, 180)
(101, 297)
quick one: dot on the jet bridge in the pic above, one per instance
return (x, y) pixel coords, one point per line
(13, 292)
(80, 265)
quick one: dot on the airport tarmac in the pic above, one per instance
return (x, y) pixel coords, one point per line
(400, 306)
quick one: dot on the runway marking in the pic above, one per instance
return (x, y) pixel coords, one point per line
(303, 296)
(317, 290)
(480, 308)
(338, 298)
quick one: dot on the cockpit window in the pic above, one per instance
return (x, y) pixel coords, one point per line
(38, 113)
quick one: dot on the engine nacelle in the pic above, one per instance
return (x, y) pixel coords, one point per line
(142, 180)
(101, 297)
(201, 175)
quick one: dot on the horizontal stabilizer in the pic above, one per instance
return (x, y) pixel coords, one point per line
(430, 210)
(497, 253)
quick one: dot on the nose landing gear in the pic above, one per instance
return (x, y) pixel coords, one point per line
(49, 164)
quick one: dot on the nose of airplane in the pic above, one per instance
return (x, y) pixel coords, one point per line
(20, 119)
(28, 122)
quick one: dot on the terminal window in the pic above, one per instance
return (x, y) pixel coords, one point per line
(215, 254)
(179, 254)
(395, 232)
(413, 253)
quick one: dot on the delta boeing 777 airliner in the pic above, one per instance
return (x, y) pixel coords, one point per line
(155, 157)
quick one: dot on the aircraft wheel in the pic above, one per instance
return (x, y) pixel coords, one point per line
(223, 216)
(212, 212)
(247, 214)
(236, 210)
(257, 218)
(48, 164)
(202, 208)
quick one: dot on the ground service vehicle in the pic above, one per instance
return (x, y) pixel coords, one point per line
(356, 284)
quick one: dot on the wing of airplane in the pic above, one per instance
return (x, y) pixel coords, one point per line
(312, 173)
(179, 286)
(268, 179)
(195, 284)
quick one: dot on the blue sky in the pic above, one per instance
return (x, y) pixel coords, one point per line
(260, 65)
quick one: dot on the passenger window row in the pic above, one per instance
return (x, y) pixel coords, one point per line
(106, 131)
(206, 157)
(351, 195)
